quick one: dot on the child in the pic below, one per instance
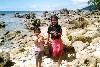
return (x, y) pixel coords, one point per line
(54, 32)
(39, 48)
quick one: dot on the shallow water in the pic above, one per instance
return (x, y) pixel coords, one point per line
(12, 24)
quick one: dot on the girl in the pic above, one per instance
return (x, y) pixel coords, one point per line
(39, 46)
(54, 32)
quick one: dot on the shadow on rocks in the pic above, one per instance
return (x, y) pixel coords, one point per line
(9, 63)
(69, 53)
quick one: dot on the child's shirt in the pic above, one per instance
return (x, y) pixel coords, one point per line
(54, 29)
(39, 46)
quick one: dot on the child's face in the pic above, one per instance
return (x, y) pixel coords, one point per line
(37, 33)
(54, 21)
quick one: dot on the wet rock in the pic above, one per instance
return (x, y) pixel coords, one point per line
(30, 15)
(1, 41)
(6, 32)
(2, 14)
(16, 15)
(35, 23)
(18, 32)
(44, 14)
(64, 11)
(11, 35)
(2, 24)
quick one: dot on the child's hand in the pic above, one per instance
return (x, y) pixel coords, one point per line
(55, 34)
(47, 42)
(39, 39)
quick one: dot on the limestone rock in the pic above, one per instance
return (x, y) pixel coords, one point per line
(4, 58)
(90, 62)
(82, 38)
(92, 34)
(79, 45)
(12, 34)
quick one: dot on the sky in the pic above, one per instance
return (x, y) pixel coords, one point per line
(41, 5)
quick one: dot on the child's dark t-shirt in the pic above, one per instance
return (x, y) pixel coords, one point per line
(54, 29)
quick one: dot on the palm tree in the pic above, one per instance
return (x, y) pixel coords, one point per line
(96, 3)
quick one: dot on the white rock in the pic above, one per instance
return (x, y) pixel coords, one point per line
(96, 54)
(92, 34)
(79, 45)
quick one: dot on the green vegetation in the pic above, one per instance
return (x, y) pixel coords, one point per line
(96, 3)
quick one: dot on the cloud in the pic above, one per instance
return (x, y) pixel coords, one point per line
(80, 1)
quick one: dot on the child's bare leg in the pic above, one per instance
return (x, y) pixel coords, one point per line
(40, 62)
(36, 62)
(59, 62)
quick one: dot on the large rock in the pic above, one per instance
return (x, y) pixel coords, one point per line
(91, 27)
(30, 15)
(86, 62)
(92, 34)
(79, 22)
(64, 11)
(82, 38)
(97, 54)
(12, 34)
(75, 32)
(4, 58)
(95, 41)
(95, 44)
(78, 35)
(90, 62)
(79, 45)
(1, 41)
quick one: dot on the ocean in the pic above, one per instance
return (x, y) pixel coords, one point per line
(15, 23)
(21, 12)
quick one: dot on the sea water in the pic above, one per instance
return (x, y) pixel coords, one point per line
(13, 24)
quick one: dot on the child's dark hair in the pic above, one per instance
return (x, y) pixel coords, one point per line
(54, 16)
(37, 30)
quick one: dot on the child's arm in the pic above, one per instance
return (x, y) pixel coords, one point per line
(49, 30)
(48, 37)
(47, 42)
(59, 33)
(36, 41)
(42, 40)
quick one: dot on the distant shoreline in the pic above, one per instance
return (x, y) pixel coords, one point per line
(20, 12)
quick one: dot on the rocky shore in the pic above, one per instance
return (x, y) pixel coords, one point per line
(80, 35)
